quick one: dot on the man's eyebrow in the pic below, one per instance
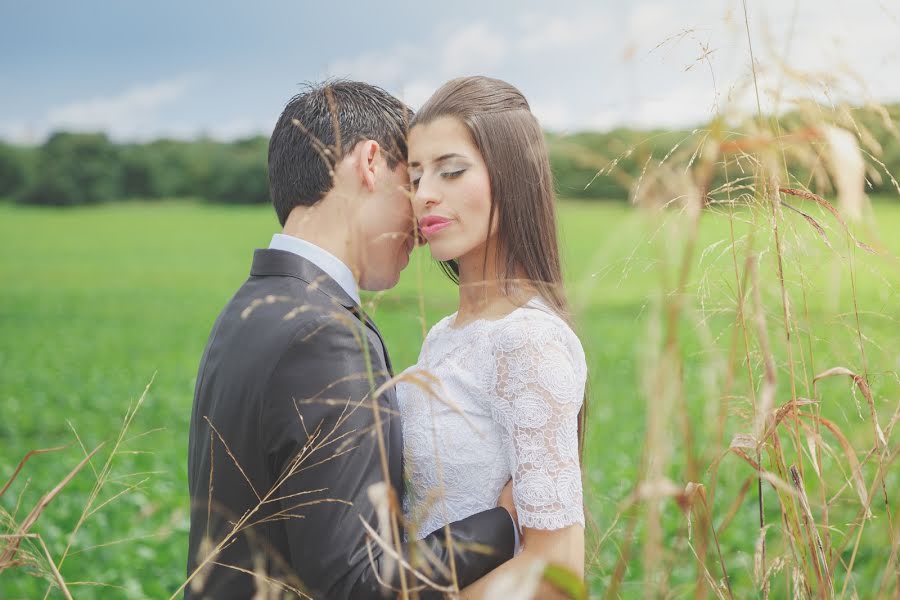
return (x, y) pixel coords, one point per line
(441, 158)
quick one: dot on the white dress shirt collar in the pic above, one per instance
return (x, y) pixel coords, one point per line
(329, 263)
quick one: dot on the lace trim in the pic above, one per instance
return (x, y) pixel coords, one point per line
(570, 516)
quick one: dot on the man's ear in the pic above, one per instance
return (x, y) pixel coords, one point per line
(368, 155)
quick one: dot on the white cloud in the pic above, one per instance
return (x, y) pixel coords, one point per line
(132, 114)
(689, 60)
(857, 48)
(414, 72)
(680, 107)
(467, 49)
(124, 114)
(581, 63)
(650, 24)
(604, 120)
(138, 113)
(552, 115)
(473, 49)
(19, 132)
(234, 129)
(416, 92)
(386, 66)
(541, 34)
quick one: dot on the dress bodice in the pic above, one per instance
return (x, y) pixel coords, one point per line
(487, 401)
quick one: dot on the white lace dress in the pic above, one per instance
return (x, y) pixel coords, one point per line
(505, 402)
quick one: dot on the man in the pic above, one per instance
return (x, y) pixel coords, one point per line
(293, 434)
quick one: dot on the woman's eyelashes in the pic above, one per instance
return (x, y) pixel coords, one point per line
(414, 179)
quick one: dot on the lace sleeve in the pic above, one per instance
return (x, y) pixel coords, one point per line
(539, 388)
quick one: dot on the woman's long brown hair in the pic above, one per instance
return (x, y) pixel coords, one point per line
(523, 202)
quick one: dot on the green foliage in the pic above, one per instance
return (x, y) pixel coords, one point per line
(608, 165)
(238, 173)
(141, 174)
(88, 319)
(604, 165)
(16, 165)
(74, 168)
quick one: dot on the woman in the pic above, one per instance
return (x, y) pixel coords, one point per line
(498, 389)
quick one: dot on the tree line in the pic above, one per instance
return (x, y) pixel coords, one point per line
(84, 168)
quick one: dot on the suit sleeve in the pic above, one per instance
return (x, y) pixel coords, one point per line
(319, 427)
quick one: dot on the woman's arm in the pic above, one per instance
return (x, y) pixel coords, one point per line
(563, 547)
(539, 388)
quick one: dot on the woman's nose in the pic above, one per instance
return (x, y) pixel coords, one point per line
(426, 195)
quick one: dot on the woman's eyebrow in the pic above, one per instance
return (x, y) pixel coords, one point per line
(441, 158)
(448, 156)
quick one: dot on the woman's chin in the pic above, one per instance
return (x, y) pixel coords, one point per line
(446, 248)
(444, 256)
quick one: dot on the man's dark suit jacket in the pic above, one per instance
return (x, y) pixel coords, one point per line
(283, 387)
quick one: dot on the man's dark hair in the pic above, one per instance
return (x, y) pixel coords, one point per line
(321, 124)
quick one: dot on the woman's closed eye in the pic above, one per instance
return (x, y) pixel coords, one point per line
(414, 180)
(452, 174)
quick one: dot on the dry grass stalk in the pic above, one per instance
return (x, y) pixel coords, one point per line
(57, 576)
(817, 550)
(880, 439)
(22, 464)
(831, 151)
(8, 556)
(848, 170)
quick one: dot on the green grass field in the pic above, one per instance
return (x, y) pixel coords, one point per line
(95, 302)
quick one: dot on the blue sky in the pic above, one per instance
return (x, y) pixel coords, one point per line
(140, 70)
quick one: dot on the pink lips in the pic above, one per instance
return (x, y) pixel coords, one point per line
(432, 224)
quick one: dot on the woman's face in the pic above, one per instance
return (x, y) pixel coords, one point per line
(451, 189)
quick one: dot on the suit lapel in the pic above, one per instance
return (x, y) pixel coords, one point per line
(287, 264)
(371, 325)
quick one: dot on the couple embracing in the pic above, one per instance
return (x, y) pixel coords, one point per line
(314, 471)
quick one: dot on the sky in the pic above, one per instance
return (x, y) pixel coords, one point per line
(188, 68)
